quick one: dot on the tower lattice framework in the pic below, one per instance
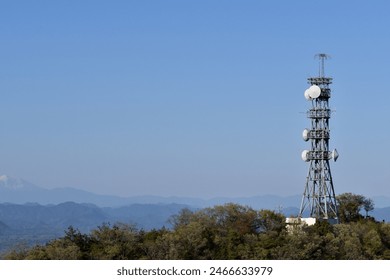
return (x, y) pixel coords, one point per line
(319, 200)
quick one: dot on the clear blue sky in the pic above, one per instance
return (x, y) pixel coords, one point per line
(190, 98)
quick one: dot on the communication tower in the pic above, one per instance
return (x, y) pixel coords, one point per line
(319, 200)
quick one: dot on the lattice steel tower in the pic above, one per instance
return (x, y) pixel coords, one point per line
(319, 200)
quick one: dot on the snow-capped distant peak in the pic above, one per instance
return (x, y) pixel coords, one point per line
(3, 178)
(9, 182)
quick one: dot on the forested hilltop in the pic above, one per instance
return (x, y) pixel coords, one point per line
(230, 231)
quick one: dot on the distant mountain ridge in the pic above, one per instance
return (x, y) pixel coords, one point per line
(56, 218)
(33, 223)
(12, 183)
(50, 218)
(19, 191)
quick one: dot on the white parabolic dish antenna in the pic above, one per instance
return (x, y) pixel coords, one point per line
(335, 155)
(305, 155)
(314, 91)
(305, 134)
(307, 94)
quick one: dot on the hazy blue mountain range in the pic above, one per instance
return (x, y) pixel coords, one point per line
(3, 228)
(33, 223)
(19, 191)
(56, 218)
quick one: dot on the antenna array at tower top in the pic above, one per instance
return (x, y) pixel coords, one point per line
(321, 68)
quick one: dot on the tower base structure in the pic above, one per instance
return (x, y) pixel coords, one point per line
(309, 221)
(293, 224)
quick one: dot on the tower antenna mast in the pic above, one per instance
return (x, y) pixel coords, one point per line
(321, 67)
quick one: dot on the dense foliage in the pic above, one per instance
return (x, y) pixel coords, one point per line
(223, 232)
